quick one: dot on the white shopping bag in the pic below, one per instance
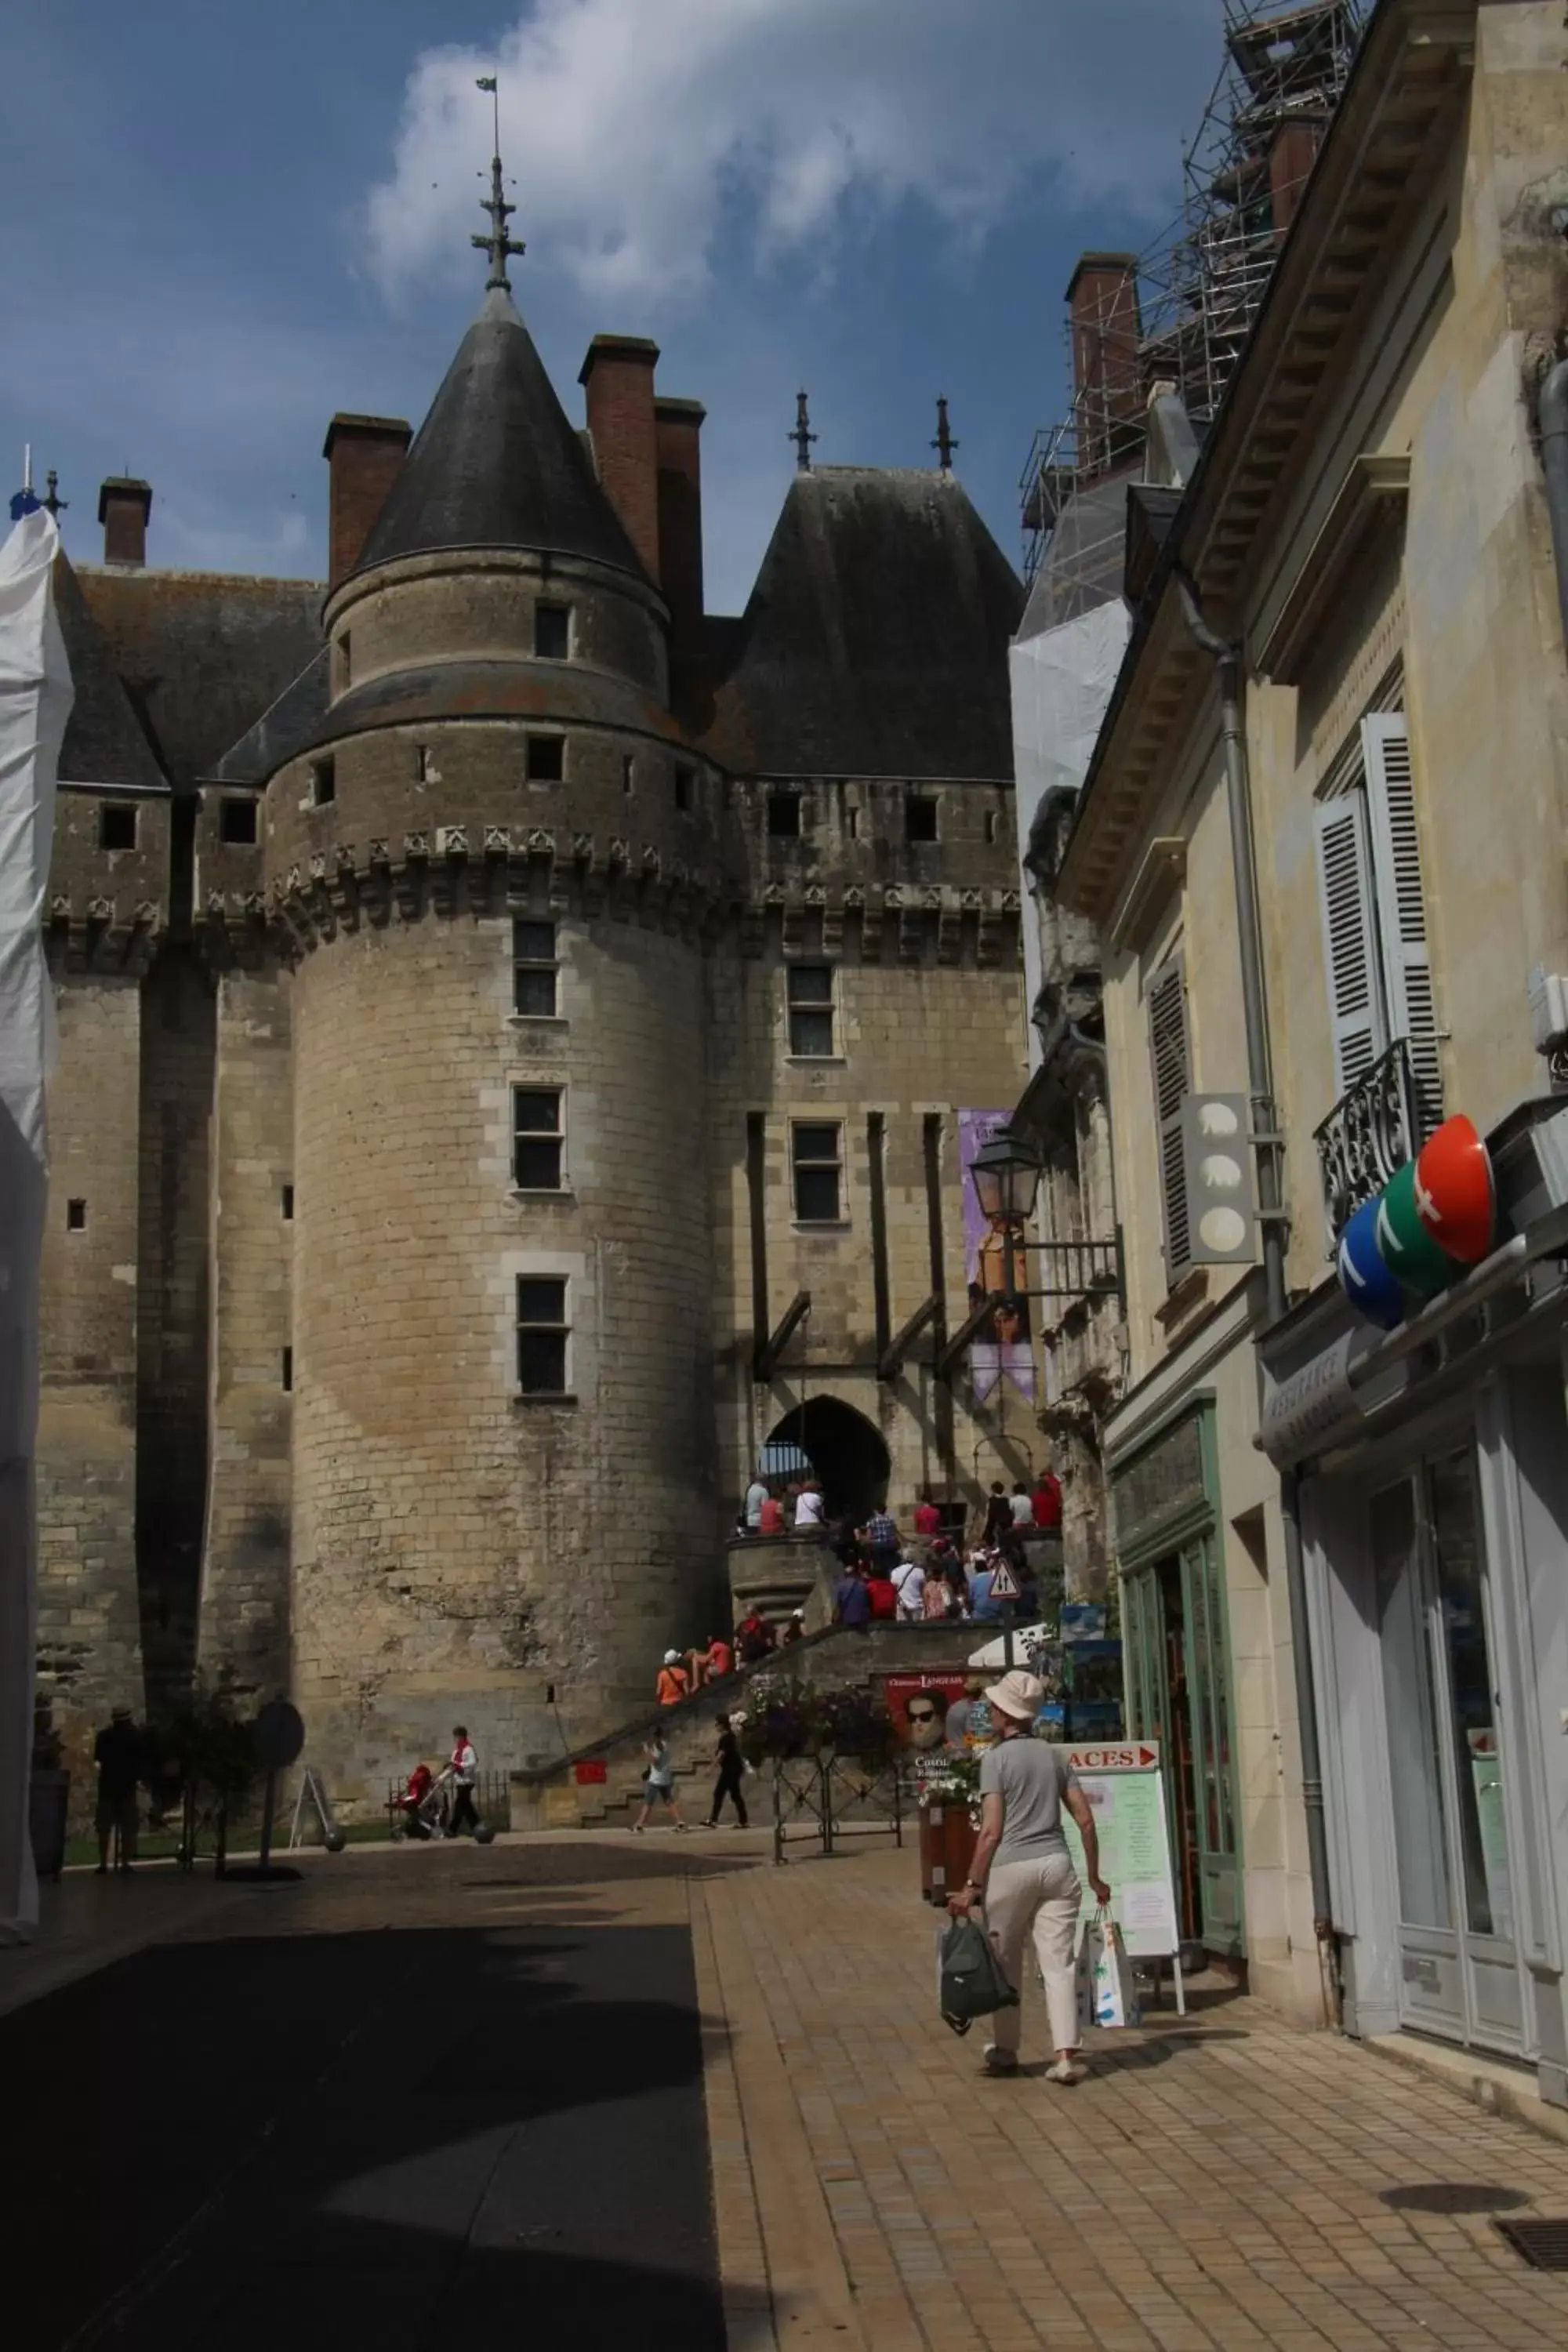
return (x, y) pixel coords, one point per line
(1107, 1989)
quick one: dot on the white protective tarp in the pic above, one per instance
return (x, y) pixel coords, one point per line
(34, 703)
(1061, 684)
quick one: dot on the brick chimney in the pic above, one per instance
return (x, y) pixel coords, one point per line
(366, 456)
(1102, 304)
(1292, 151)
(123, 507)
(678, 429)
(618, 377)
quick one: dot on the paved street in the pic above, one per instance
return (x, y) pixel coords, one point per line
(435, 2092)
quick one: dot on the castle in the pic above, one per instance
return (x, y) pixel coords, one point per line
(513, 1029)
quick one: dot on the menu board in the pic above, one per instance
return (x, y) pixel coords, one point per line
(1125, 1787)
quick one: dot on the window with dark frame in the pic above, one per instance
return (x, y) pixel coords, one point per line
(817, 1158)
(236, 821)
(920, 817)
(288, 1368)
(547, 758)
(810, 991)
(683, 781)
(534, 969)
(323, 781)
(538, 1139)
(286, 1204)
(551, 632)
(117, 825)
(76, 1216)
(543, 1332)
(783, 816)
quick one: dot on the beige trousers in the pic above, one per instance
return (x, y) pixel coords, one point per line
(1043, 1896)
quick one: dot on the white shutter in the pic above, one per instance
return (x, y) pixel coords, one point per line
(1168, 1054)
(1401, 908)
(1349, 942)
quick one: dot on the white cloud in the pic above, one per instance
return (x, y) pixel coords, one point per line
(639, 131)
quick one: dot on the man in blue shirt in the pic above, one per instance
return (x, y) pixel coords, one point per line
(981, 1607)
(882, 1540)
(851, 1602)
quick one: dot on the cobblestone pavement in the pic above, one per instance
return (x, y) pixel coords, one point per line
(1223, 2183)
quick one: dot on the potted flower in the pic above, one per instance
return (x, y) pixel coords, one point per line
(950, 1824)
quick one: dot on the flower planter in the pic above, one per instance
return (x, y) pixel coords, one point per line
(947, 1849)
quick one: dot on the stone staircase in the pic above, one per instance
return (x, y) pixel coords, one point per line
(553, 1795)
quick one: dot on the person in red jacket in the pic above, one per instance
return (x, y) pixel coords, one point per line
(1047, 1501)
(883, 1595)
(928, 1518)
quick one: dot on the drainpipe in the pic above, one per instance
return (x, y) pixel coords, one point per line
(1270, 1149)
(1552, 421)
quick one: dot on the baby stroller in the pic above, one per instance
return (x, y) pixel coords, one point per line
(425, 1804)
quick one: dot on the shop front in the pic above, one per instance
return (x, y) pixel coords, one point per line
(1431, 1469)
(1176, 1653)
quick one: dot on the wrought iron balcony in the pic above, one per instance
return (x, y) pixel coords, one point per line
(1372, 1130)
(1074, 1270)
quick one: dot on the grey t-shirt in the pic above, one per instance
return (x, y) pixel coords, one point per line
(1029, 1776)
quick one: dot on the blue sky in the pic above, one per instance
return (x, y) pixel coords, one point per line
(219, 224)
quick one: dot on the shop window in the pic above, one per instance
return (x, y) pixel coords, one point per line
(543, 1335)
(534, 969)
(538, 1139)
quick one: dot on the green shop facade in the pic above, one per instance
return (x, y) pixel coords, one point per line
(1175, 1630)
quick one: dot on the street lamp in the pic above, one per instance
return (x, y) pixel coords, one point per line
(1006, 1176)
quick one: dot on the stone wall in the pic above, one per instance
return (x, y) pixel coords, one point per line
(90, 1632)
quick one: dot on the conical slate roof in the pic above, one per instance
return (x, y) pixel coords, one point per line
(104, 742)
(497, 462)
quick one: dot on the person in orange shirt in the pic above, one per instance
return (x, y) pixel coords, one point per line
(721, 1658)
(674, 1681)
(771, 1518)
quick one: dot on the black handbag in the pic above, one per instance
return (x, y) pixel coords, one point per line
(971, 1980)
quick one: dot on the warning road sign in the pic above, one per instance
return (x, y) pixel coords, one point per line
(1004, 1583)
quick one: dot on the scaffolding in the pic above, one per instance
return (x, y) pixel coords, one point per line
(1180, 313)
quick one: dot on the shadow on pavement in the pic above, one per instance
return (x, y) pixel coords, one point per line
(359, 2138)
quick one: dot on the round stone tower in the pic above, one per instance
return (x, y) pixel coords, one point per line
(496, 855)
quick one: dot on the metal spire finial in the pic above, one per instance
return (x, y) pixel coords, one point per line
(802, 435)
(52, 500)
(498, 245)
(944, 444)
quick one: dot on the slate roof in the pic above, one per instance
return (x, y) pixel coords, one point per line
(104, 742)
(201, 653)
(497, 463)
(875, 642)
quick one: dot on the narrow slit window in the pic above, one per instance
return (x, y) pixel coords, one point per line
(344, 662)
(628, 773)
(810, 988)
(534, 969)
(990, 824)
(324, 783)
(117, 825)
(538, 1138)
(287, 1204)
(817, 1166)
(236, 821)
(543, 1333)
(683, 783)
(783, 816)
(920, 817)
(288, 1368)
(76, 1216)
(854, 824)
(425, 769)
(547, 758)
(551, 632)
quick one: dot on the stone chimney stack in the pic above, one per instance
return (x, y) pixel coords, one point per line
(366, 456)
(123, 507)
(1292, 153)
(1102, 304)
(617, 375)
(678, 429)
